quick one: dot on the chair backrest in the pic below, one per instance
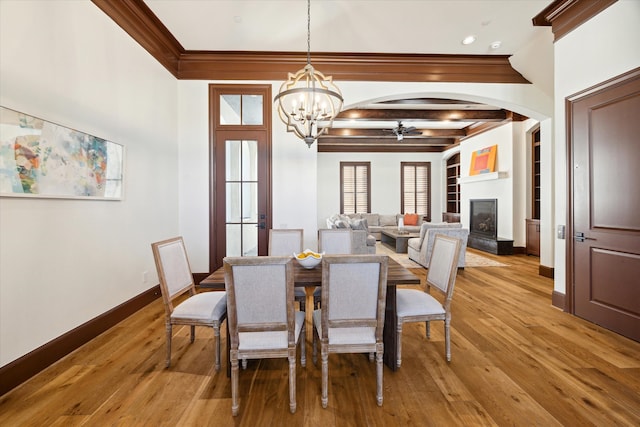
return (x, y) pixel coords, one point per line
(443, 267)
(335, 241)
(284, 242)
(174, 271)
(354, 290)
(260, 299)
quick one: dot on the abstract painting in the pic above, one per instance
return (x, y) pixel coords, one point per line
(42, 159)
(483, 161)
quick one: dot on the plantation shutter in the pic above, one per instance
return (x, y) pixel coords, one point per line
(416, 188)
(355, 191)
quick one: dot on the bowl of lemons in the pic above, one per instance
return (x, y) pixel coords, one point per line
(308, 258)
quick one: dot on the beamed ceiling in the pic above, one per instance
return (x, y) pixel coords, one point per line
(160, 26)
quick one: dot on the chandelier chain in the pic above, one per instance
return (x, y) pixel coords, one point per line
(308, 32)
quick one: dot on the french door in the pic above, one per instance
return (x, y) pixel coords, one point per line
(240, 164)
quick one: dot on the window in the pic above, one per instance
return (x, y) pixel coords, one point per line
(355, 187)
(415, 182)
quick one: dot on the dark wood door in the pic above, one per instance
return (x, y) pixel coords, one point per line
(240, 171)
(242, 190)
(605, 148)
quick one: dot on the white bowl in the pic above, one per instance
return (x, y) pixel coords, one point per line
(309, 261)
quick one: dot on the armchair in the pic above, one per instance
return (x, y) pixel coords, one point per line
(420, 248)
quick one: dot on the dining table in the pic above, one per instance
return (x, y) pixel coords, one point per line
(310, 278)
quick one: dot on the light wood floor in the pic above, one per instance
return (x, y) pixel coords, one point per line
(516, 361)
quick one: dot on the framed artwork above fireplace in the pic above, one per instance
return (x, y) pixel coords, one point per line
(483, 161)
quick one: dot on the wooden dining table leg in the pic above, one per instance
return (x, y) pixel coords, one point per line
(390, 333)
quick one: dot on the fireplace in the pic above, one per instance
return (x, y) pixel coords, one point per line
(484, 218)
(483, 228)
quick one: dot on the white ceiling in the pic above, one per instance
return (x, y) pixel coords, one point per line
(371, 26)
(388, 26)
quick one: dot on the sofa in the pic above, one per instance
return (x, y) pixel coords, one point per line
(372, 222)
(419, 248)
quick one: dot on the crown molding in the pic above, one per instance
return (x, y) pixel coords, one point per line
(137, 20)
(564, 16)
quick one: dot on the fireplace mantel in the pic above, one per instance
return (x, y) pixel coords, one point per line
(483, 177)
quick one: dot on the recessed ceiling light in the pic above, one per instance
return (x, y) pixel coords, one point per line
(496, 44)
(469, 39)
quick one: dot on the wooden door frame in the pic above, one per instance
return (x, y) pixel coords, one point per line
(214, 126)
(569, 303)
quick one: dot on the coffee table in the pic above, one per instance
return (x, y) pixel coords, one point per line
(397, 240)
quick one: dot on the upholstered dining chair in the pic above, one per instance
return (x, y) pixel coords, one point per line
(286, 242)
(415, 305)
(351, 318)
(262, 321)
(335, 241)
(176, 280)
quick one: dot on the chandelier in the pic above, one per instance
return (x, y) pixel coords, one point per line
(308, 98)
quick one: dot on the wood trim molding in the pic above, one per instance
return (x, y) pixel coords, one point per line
(135, 18)
(248, 65)
(545, 271)
(557, 300)
(565, 16)
(20, 370)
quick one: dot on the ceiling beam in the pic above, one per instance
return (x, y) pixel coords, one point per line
(425, 115)
(368, 132)
(375, 145)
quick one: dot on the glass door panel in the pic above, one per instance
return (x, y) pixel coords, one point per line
(241, 189)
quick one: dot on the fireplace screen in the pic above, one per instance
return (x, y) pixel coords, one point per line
(484, 218)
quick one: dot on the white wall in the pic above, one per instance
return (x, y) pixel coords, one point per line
(64, 262)
(602, 48)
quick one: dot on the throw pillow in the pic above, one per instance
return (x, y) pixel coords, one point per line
(341, 224)
(410, 219)
(359, 224)
(386, 220)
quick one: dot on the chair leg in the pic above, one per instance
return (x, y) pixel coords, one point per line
(324, 354)
(314, 349)
(303, 345)
(292, 383)
(234, 382)
(447, 339)
(169, 332)
(428, 327)
(216, 333)
(399, 344)
(379, 371)
(244, 364)
(193, 333)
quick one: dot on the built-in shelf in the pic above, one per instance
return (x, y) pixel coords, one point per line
(483, 177)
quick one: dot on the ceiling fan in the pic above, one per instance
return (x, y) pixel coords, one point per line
(400, 131)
